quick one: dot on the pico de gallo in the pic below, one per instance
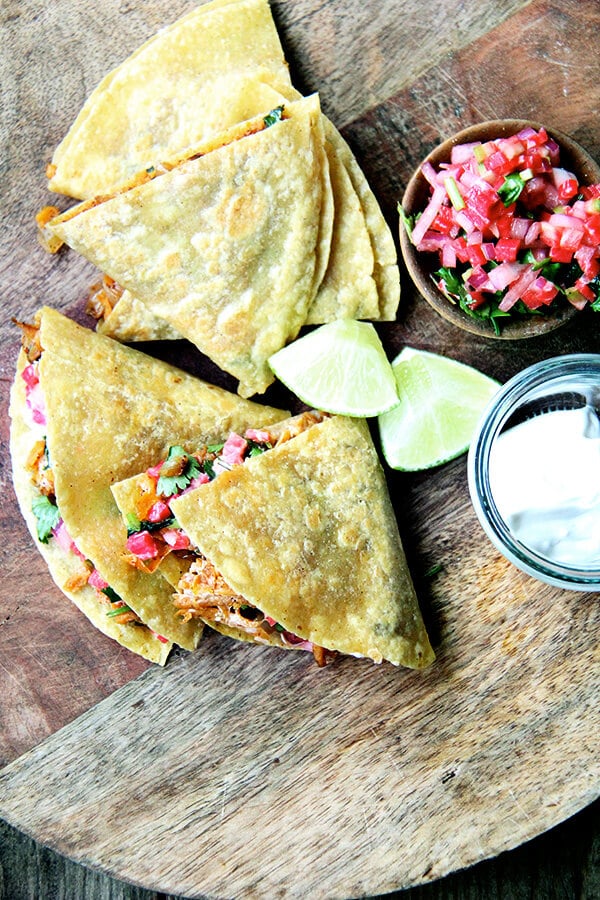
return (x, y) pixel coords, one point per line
(516, 233)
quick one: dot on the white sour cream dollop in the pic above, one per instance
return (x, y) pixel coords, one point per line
(545, 480)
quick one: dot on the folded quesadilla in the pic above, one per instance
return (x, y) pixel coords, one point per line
(283, 536)
(86, 412)
(348, 287)
(228, 246)
(220, 65)
(191, 80)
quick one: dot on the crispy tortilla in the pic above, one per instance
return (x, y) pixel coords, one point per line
(130, 321)
(188, 82)
(63, 565)
(385, 271)
(111, 411)
(306, 532)
(225, 247)
(347, 288)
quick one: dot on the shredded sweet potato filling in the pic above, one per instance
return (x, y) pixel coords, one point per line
(30, 339)
(102, 298)
(203, 593)
(38, 467)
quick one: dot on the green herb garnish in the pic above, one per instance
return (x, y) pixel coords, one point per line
(46, 515)
(256, 449)
(453, 192)
(511, 189)
(208, 468)
(407, 220)
(133, 524)
(118, 611)
(274, 116)
(185, 468)
(111, 594)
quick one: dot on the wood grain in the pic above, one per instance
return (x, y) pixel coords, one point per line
(247, 771)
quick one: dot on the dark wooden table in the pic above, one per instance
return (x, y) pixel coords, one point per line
(396, 78)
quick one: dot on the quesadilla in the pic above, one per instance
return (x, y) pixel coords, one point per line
(348, 286)
(228, 246)
(283, 536)
(86, 412)
(191, 80)
(221, 64)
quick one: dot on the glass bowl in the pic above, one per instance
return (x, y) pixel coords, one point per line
(547, 416)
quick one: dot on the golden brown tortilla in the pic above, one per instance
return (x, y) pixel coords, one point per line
(306, 532)
(188, 82)
(225, 247)
(111, 411)
(64, 565)
(130, 321)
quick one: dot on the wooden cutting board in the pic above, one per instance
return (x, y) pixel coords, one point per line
(242, 771)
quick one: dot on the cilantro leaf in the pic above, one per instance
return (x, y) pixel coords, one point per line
(511, 189)
(407, 220)
(255, 449)
(46, 515)
(179, 468)
(208, 468)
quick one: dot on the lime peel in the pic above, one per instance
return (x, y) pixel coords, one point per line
(441, 401)
(341, 368)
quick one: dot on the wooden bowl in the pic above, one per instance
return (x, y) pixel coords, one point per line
(421, 266)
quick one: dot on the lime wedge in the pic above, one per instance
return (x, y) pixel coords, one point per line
(441, 401)
(340, 368)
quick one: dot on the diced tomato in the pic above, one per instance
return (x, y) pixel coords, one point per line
(259, 436)
(143, 545)
(507, 249)
(154, 471)
(175, 538)
(444, 221)
(476, 255)
(590, 191)
(97, 581)
(476, 299)
(561, 254)
(30, 375)
(234, 450)
(541, 292)
(567, 189)
(585, 290)
(503, 224)
(159, 511)
(571, 238)
(592, 227)
(499, 164)
(587, 257)
(201, 478)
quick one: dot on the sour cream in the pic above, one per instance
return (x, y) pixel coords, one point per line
(544, 477)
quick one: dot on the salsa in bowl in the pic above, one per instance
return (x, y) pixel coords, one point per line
(500, 229)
